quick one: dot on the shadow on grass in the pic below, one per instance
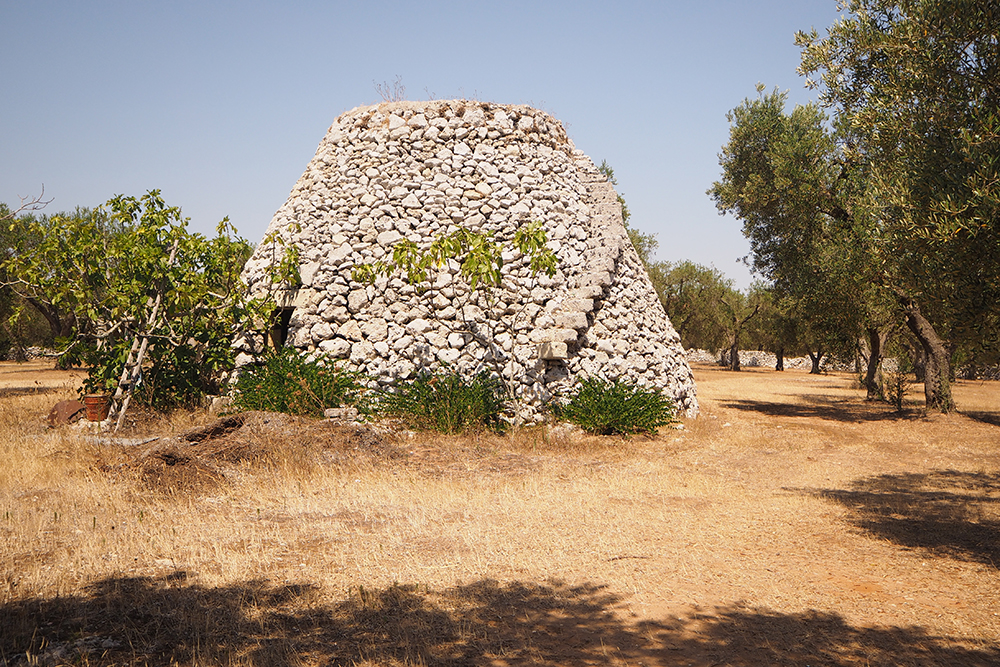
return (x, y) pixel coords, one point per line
(32, 390)
(854, 411)
(944, 512)
(169, 620)
(992, 418)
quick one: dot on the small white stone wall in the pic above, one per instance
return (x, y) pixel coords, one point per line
(417, 169)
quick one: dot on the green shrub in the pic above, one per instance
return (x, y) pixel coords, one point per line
(607, 408)
(287, 382)
(447, 403)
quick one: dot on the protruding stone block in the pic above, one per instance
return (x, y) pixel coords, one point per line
(552, 335)
(588, 292)
(576, 321)
(599, 278)
(553, 350)
(580, 305)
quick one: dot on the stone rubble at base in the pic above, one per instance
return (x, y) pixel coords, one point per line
(417, 169)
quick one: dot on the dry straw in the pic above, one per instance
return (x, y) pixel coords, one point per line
(790, 523)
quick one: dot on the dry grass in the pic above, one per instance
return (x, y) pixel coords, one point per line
(790, 524)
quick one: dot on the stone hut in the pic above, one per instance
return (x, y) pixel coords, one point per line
(415, 170)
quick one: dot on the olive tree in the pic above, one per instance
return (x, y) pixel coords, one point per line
(915, 85)
(785, 176)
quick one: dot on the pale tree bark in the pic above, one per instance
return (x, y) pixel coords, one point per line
(937, 361)
(28, 204)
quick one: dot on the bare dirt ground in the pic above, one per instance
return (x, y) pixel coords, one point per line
(790, 524)
(36, 377)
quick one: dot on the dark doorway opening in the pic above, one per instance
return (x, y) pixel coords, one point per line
(281, 319)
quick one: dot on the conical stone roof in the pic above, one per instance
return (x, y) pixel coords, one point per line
(418, 169)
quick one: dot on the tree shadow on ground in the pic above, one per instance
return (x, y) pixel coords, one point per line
(944, 512)
(170, 620)
(853, 411)
(991, 418)
(32, 390)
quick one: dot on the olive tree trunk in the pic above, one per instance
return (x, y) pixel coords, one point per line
(816, 359)
(937, 361)
(873, 385)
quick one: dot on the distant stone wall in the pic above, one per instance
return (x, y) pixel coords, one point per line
(749, 358)
(413, 170)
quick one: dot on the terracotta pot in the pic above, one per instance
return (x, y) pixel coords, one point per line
(98, 406)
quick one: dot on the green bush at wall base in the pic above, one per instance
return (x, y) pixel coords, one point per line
(609, 408)
(447, 402)
(287, 382)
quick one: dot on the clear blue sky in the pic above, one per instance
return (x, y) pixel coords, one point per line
(221, 105)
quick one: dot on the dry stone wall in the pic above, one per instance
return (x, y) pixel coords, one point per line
(414, 170)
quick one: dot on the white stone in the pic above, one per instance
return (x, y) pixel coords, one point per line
(308, 271)
(375, 330)
(418, 326)
(553, 350)
(357, 300)
(350, 330)
(336, 347)
(362, 352)
(387, 238)
(321, 331)
(576, 321)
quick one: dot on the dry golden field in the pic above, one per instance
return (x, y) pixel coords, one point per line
(790, 524)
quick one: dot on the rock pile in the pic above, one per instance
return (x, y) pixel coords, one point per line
(415, 170)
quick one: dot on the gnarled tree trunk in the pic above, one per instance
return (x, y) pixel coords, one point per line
(937, 361)
(919, 361)
(62, 325)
